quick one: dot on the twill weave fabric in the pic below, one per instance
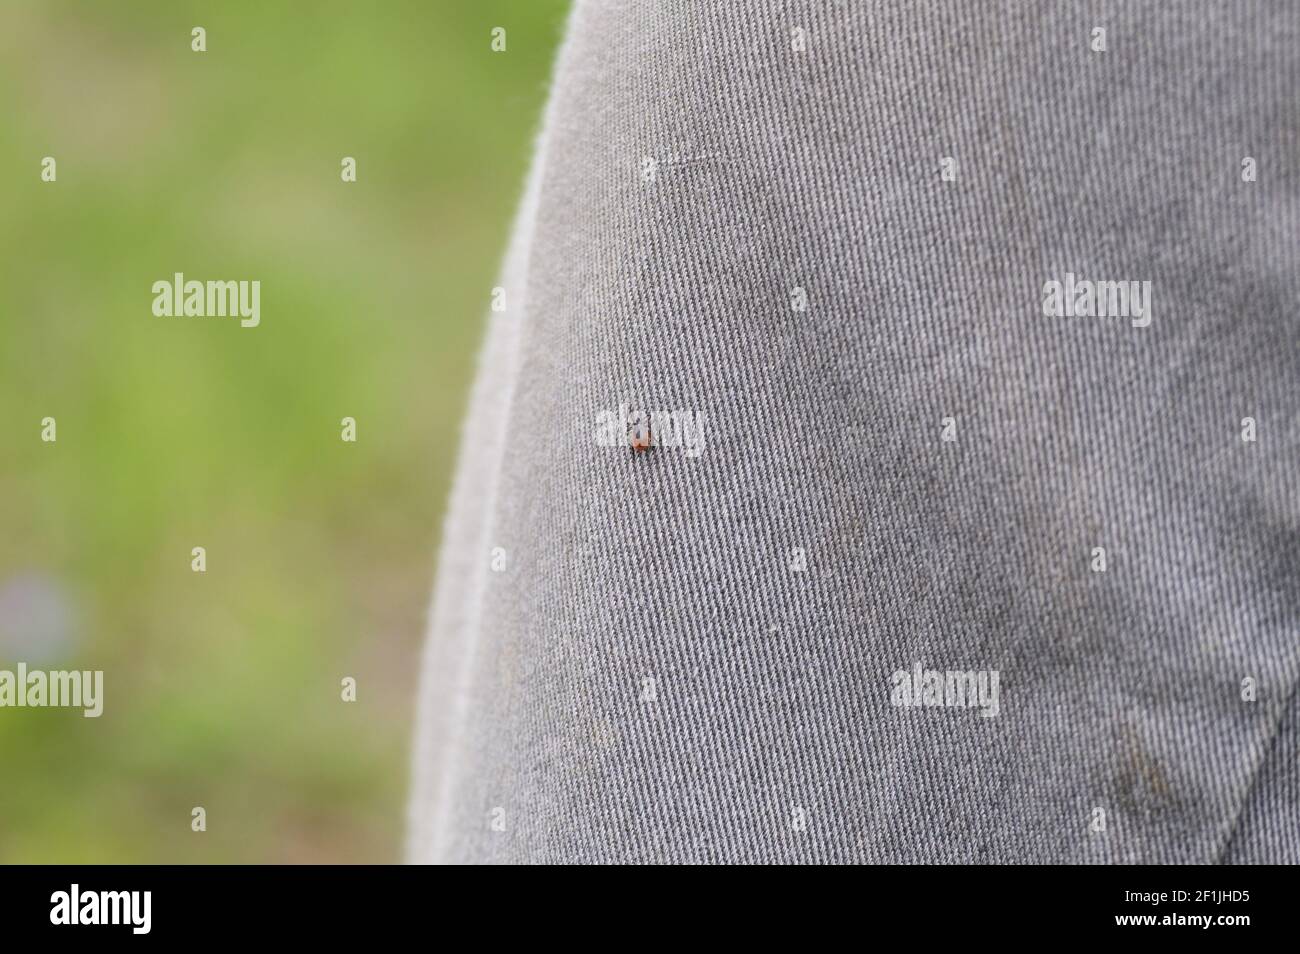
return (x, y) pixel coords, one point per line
(647, 679)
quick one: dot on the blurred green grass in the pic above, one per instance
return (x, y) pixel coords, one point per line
(222, 688)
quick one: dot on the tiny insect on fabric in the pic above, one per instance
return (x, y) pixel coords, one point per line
(986, 550)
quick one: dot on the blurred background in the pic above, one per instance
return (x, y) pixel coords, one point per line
(222, 688)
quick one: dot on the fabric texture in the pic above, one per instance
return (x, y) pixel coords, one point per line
(829, 230)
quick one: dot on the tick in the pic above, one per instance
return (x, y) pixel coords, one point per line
(640, 438)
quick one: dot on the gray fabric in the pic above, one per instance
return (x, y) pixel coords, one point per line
(1120, 690)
